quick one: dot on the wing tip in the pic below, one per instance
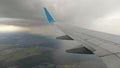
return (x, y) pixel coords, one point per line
(50, 18)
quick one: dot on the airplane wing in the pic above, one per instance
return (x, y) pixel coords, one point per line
(104, 45)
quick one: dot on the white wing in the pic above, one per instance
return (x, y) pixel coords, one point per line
(103, 45)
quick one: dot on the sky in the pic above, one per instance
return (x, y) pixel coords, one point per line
(28, 15)
(100, 15)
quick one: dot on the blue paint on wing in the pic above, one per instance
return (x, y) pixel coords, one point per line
(49, 16)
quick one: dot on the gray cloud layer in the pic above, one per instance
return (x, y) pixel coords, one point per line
(100, 15)
(28, 12)
(24, 9)
(83, 13)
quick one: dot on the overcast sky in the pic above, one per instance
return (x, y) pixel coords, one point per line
(101, 15)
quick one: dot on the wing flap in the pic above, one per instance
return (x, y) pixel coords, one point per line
(112, 61)
(64, 37)
(79, 50)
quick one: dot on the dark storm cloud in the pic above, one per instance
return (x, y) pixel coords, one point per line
(24, 9)
(21, 12)
(79, 12)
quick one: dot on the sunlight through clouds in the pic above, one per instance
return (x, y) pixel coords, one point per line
(11, 28)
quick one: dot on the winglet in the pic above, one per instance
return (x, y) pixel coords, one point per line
(49, 16)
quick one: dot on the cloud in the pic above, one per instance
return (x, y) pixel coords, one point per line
(102, 15)
(21, 9)
(83, 10)
(21, 22)
(11, 28)
(82, 13)
(21, 12)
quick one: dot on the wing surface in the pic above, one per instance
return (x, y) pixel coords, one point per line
(106, 46)
(101, 44)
